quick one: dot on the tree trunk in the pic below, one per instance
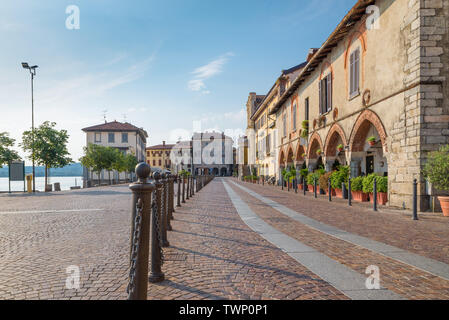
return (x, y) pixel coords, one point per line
(109, 174)
(99, 178)
(46, 178)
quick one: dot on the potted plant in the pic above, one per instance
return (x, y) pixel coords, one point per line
(340, 147)
(382, 188)
(357, 190)
(437, 172)
(371, 140)
(303, 174)
(338, 178)
(324, 183)
(318, 152)
(311, 182)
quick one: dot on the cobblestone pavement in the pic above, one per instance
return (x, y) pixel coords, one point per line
(405, 280)
(213, 254)
(428, 237)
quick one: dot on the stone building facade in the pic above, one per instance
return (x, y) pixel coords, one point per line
(382, 73)
(158, 156)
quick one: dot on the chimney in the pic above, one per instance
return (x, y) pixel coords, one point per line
(163, 143)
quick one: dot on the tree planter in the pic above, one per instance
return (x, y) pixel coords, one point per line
(300, 187)
(382, 198)
(359, 196)
(338, 193)
(444, 201)
(333, 192)
(311, 188)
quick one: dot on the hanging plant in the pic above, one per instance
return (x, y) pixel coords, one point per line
(340, 147)
(304, 155)
(371, 140)
(318, 152)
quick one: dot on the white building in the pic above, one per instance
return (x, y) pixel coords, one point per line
(124, 136)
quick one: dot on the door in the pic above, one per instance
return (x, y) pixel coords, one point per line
(369, 165)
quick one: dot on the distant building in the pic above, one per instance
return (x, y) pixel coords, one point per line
(213, 152)
(124, 136)
(159, 156)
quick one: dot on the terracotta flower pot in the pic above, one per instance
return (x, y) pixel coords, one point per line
(340, 149)
(444, 201)
(359, 196)
(333, 192)
(310, 188)
(372, 143)
(300, 186)
(339, 193)
(382, 198)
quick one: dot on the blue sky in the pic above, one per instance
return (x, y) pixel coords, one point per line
(164, 63)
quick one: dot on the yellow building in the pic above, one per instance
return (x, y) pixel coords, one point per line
(159, 156)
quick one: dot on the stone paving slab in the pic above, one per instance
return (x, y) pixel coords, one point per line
(405, 280)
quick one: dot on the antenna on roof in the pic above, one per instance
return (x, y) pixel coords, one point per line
(124, 117)
(104, 115)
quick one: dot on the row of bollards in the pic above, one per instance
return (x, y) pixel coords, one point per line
(151, 215)
(349, 192)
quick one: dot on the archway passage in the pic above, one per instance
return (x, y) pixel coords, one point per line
(215, 172)
(290, 157)
(223, 172)
(282, 159)
(314, 145)
(300, 152)
(368, 156)
(335, 147)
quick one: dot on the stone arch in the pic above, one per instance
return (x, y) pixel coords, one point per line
(330, 146)
(290, 155)
(299, 153)
(360, 130)
(282, 158)
(315, 143)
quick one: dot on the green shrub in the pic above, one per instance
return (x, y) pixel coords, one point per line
(357, 184)
(304, 173)
(339, 177)
(368, 183)
(382, 184)
(437, 168)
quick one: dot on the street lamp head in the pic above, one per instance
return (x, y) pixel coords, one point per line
(25, 65)
(34, 67)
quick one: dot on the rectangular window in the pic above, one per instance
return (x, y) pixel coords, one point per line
(268, 143)
(325, 94)
(154, 162)
(306, 108)
(111, 137)
(284, 124)
(160, 162)
(354, 84)
(124, 138)
(294, 117)
(97, 137)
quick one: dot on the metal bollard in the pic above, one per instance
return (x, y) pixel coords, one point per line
(193, 186)
(288, 184)
(304, 186)
(330, 189)
(415, 200)
(156, 274)
(349, 192)
(188, 188)
(178, 182)
(169, 202)
(159, 180)
(296, 185)
(315, 188)
(282, 181)
(140, 237)
(375, 194)
(183, 188)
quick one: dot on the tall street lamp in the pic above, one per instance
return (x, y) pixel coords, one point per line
(33, 73)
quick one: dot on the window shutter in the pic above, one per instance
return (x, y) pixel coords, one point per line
(320, 97)
(329, 92)
(351, 74)
(357, 70)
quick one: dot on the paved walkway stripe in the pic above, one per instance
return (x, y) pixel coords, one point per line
(344, 279)
(429, 265)
(50, 211)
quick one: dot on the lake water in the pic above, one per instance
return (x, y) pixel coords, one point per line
(66, 183)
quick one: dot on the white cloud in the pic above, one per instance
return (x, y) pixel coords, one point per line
(207, 71)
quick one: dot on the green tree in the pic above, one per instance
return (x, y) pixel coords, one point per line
(6, 154)
(130, 163)
(437, 168)
(50, 146)
(119, 164)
